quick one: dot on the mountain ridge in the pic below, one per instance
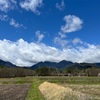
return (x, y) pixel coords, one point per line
(6, 64)
(61, 65)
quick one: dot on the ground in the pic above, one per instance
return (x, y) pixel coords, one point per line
(27, 88)
(14, 91)
(14, 88)
(71, 88)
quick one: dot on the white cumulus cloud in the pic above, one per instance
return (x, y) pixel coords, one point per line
(60, 41)
(73, 23)
(6, 5)
(77, 41)
(60, 6)
(39, 36)
(23, 53)
(32, 5)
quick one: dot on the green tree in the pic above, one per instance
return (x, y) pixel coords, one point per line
(43, 71)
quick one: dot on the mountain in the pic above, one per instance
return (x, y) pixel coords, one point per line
(97, 64)
(64, 64)
(84, 65)
(42, 64)
(60, 65)
(6, 64)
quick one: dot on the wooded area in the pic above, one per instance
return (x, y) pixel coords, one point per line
(48, 71)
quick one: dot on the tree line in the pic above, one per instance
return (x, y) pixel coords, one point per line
(48, 71)
(69, 71)
(15, 72)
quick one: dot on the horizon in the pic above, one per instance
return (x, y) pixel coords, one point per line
(32, 31)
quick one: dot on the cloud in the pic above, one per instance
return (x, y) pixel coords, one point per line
(27, 54)
(32, 5)
(77, 41)
(62, 35)
(16, 24)
(11, 21)
(24, 53)
(72, 24)
(4, 17)
(6, 5)
(60, 41)
(60, 6)
(39, 36)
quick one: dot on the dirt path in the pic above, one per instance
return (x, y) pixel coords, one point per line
(14, 91)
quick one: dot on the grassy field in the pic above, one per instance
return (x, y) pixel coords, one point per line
(72, 80)
(33, 92)
(88, 88)
(83, 86)
(17, 80)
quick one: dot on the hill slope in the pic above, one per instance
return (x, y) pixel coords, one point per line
(6, 64)
(60, 65)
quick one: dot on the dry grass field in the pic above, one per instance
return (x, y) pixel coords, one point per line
(50, 88)
(92, 90)
(52, 91)
(70, 88)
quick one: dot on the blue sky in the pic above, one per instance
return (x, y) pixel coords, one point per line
(53, 30)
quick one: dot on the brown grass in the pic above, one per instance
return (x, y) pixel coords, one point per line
(53, 91)
(93, 90)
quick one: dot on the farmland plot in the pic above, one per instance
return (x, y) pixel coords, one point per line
(14, 88)
(14, 91)
(52, 91)
(70, 88)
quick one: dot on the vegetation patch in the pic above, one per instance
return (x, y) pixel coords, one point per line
(17, 80)
(34, 92)
(72, 80)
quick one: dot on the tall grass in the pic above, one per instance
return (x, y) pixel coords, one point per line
(17, 80)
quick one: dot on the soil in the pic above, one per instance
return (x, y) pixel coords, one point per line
(14, 91)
